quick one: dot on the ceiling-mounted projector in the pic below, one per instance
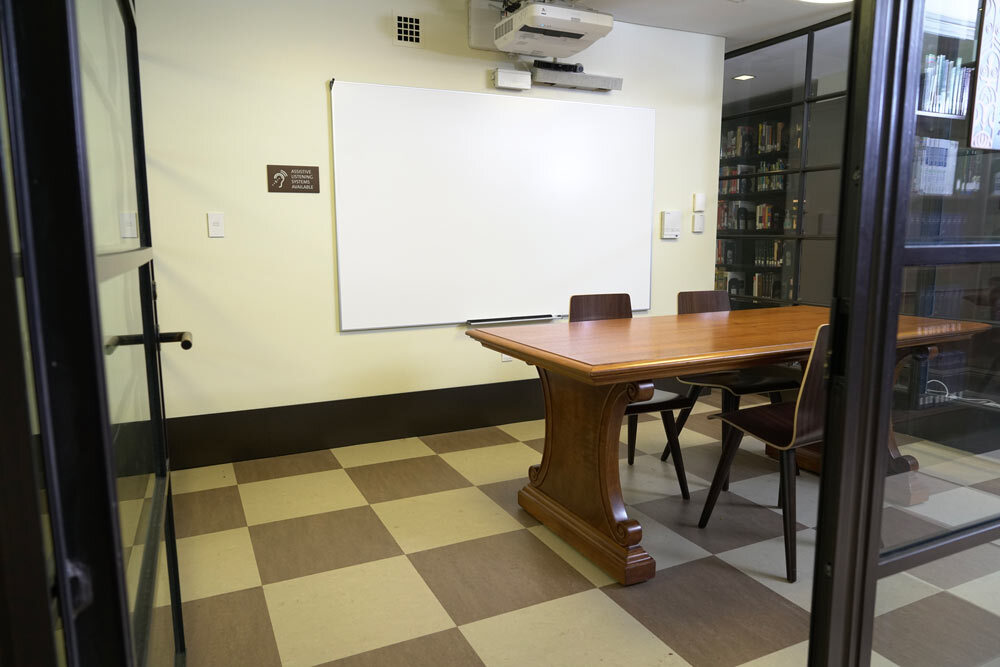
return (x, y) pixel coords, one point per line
(550, 30)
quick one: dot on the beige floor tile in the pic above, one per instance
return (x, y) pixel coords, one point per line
(959, 506)
(381, 452)
(701, 408)
(487, 465)
(540, 635)
(216, 563)
(301, 495)
(931, 453)
(200, 479)
(965, 471)
(651, 438)
(649, 478)
(983, 592)
(439, 519)
(580, 563)
(128, 519)
(342, 612)
(900, 590)
(798, 655)
(526, 430)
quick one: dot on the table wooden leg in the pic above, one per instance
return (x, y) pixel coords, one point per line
(575, 491)
(899, 462)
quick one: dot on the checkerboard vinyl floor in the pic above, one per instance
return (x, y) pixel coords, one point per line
(414, 552)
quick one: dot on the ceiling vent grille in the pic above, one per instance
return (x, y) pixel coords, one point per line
(407, 30)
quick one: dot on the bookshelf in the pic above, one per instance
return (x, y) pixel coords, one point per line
(779, 167)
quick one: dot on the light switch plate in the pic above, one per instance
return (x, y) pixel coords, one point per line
(670, 224)
(128, 225)
(698, 202)
(697, 222)
(216, 225)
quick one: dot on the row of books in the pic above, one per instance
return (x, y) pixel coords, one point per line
(934, 164)
(771, 183)
(736, 185)
(969, 172)
(768, 216)
(749, 216)
(936, 225)
(945, 85)
(766, 254)
(768, 137)
(769, 284)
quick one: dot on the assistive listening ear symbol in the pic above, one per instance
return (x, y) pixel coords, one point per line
(279, 178)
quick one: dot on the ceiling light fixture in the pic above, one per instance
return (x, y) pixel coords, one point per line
(744, 77)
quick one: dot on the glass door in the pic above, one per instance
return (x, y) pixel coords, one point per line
(911, 512)
(78, 167)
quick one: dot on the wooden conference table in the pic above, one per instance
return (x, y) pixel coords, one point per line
(591, 370)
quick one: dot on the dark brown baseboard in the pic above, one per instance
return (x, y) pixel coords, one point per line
(226, 437)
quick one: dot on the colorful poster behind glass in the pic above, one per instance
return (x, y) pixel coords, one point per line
(986, 102)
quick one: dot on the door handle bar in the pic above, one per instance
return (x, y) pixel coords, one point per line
(182, 337)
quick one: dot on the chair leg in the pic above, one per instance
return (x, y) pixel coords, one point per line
(788, 510)
(674, 446)
(682, 418)
(633, 427)
(729, 448)
(730, 403)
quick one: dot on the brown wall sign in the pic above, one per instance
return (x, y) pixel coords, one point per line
(292, 178)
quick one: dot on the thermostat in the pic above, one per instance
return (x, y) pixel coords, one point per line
(670, 224)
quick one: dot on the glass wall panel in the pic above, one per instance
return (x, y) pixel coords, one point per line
(822, 205)
(831, 52)
(107, 125)
(826, 132)
(778, 77)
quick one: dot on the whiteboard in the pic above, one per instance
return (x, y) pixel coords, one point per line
(454, 206)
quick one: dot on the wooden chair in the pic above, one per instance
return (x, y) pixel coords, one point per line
(786, 427)
(584, 307)
(770, 380)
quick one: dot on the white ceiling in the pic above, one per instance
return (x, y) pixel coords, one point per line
(741, 23)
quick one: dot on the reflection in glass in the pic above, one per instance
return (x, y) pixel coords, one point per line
(947, 409)
(826, 132)
(822, 203)
(778, 71)
(107, 125)
(831, 51)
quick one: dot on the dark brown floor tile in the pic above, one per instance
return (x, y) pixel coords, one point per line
(960, 568)
(258, 470)
(938, 630)
(701, 423)
(132, 488)
(442, 443)
(441, 649)
(493, 575)
(208, 511)
(735, 522)
(710, 613)
(320, 542)
(230, 629)
(899, 528)
(504, 494)
(392, 480)
(992, 486)
(704, 459)
(538, 444)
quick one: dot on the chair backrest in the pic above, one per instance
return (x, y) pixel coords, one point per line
(583, 307)
(706, 301)
(810, 407)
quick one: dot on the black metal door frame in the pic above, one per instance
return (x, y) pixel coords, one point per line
(61, 273)
(871, 254)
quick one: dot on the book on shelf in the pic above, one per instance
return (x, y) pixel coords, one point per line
(774, 182)
(934, 164)
(735, 215)
(969, 171)
(771, 137)
(727, 252)
(945, 85)
(768, 254)
(737, 142)
(733, 179)
(767, 284)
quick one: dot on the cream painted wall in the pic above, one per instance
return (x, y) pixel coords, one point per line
(229, 86)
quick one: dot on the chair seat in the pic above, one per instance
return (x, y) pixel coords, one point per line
(761, 380)
(773, 424)
(662, 400)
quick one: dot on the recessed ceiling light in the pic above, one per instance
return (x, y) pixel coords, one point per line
(744, 77)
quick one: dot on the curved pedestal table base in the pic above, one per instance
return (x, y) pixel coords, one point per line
(575, 491)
